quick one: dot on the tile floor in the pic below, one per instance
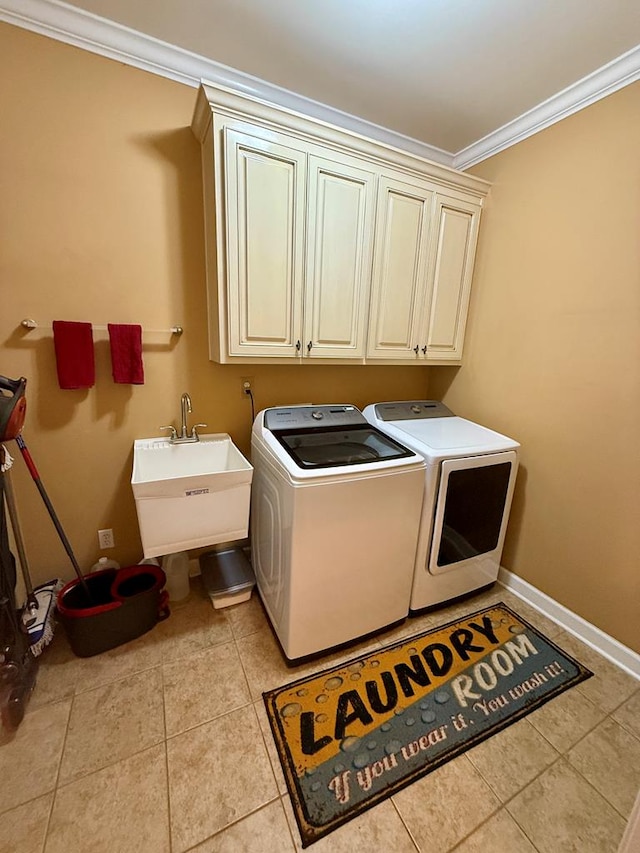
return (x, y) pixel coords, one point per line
(163, 745)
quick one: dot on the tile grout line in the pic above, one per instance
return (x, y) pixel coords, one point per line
(264, 742)
(206, 722)
(625, 818)
(166, 758)
(250, 703)
(561, 759)
(244, 669)
(581, 738)
(589, 732)
(513, 817)
(620, 705)
(280, 796)
(232, 824)
(118, 678)
(588, 781)
(491, 787)
(627, 728)
(503, 804)
(115, 680)
(292, 829)
(111, 762)
(484, 822)
(55, 786)
(168, 737)
(402, 821)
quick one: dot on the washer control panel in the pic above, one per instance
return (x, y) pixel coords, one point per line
(311, 417)
(412, 410)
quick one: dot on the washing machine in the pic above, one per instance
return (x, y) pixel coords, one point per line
(335, 518)
(469, 482)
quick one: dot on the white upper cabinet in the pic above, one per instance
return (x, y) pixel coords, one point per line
(265, 209)
(340, 224)
(397, 325)
(451, 269)
(323, 246)
(424, 249)
(299, 236)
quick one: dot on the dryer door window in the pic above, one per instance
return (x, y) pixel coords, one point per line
(472, 511)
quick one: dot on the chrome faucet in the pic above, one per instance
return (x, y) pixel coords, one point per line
(185, 436)
(185, 407)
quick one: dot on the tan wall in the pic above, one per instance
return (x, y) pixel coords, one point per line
(553, 356)
(101, 220)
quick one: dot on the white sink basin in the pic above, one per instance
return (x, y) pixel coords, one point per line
(190, 495)
(212, 459)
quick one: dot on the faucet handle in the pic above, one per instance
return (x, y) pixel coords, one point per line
(174, 434)
(194, 429)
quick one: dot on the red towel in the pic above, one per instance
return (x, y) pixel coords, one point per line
(126, 353)
(73, 344)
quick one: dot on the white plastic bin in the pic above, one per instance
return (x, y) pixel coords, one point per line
(176, 568)
(228, 577)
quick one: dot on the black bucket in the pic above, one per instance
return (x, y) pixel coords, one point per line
(125, 603)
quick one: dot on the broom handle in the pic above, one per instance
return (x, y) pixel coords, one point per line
(45, 497)
(9, 495)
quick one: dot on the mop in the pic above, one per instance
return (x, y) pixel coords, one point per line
(37, 613)
(18, 667)
(35, 476)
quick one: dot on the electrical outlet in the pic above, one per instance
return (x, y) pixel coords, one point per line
(105, 538)
(247, 385)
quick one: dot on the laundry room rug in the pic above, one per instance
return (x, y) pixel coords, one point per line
(355, 734)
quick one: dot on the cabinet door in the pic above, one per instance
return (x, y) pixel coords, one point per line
(338, 267)
(399, 287)
(451, 269)
(265, 202)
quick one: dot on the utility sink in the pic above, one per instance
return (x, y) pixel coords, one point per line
(190, 495)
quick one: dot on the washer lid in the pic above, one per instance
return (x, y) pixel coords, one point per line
(333, 447)
(450, 435)
(436, 434)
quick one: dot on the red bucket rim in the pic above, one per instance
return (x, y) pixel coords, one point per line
(83, 612)
(128, 572)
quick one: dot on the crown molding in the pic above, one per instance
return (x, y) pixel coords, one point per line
(220, 100)
(90, 32)
(605, 81)
(98, 35)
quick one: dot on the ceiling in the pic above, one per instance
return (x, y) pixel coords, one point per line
(444, 73)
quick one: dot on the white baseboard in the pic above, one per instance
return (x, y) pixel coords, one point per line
(620, 655)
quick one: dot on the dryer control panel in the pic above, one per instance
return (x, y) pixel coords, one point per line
(312, 417)
(412, 410)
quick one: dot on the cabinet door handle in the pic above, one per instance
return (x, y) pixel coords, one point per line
(298, 346)
(424, 350)
(309, 345)
(416, 349)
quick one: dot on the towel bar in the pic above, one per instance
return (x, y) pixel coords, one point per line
(31, 324)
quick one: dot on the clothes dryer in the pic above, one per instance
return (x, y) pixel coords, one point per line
(469, 482)
(335, 516)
